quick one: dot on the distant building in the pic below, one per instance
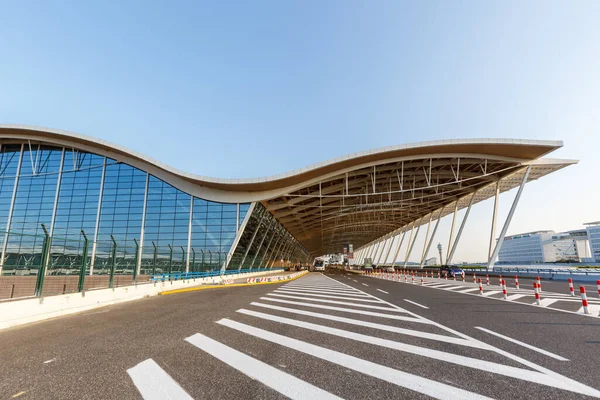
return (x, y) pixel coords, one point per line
(431, 261)
(546, 247)
(593, 233)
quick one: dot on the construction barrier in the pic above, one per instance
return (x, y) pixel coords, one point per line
(480, 287)
(571, 288)
(584, 301)
(537, 294)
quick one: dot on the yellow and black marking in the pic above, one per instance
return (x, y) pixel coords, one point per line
(204, 287)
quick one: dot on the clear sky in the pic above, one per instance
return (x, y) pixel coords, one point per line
(247, 89)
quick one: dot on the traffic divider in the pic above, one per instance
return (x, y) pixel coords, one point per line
(584, 300)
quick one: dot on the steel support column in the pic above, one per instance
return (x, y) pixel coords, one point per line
(398, 249)
(494, 218)
(432, 236)
(451, 232)
(252, 240)
(412, 244)
(426, 238)
(492, 259)
(460, 230)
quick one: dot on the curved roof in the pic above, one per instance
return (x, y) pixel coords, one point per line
(350, 199)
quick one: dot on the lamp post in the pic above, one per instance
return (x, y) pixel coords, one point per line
(439, 247)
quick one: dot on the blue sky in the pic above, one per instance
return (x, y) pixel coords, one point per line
(250, 89)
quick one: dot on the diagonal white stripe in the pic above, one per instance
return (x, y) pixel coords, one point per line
(488, 366)
(323, 292)
(154, 383)
(381, 327)
(336, 302)
(282, 382)
(348, 310)
(327, 296)
(523, 344)
(399, 378)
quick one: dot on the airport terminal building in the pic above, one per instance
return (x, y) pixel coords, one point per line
(68, 200)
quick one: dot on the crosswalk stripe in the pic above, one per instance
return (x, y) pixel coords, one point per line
(356, 294)
(154, 383)
(490, 293)
(313, 286)
(328, 296)
(280, 381)
(482, 365)
(439, 286)
(388, 328)
(526, 345)
(336, 302)
(404, 379)
(514, 297)
(468, 290)
(547, 302)
(349, 310)
(453, 287)
(319, 288)
(594, 309)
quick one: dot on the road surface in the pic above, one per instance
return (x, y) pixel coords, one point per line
(322, 336)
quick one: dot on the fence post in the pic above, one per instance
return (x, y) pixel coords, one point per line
(170, 260)
(83, 263)
(154, 259)
(193, 260)
(183, 259)
(202, 263)
(137, 259)
(113, 265)
(39, 283)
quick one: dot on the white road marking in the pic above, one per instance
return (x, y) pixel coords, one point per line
(594, 309)
(547, 302)
(282, 382)
(322, 287)
(353, 280)
(327, 296)
(413, 382)
(440, 286)
(381, 327)
(364, 284)
(416, 304)
(482, 365)
(454, 287)
(568, 383)
(343, 303)
(514, 297)
(491, 292)
(337, 290)
(468, 290)
(355, 294)
(49, 361)
(348, 310)
(154, 383)
(382, 291)
(547, 353)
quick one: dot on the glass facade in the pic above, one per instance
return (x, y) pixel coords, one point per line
(264, 242)
(129, 217)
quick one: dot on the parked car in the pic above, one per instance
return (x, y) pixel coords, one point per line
(451, 271)
(390, 270)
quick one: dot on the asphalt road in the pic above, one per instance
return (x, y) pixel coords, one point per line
(320, 336)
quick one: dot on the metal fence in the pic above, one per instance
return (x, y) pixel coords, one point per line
(36, 265)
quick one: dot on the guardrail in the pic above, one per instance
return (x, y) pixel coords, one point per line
(206, 274)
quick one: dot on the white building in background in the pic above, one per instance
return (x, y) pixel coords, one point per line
(546, 247)
(431, 261)
(593, 233)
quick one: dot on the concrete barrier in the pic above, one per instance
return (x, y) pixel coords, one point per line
(25, 311)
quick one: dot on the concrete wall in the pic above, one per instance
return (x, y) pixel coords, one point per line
(19, 312)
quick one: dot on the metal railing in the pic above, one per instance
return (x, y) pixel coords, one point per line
(206, 274)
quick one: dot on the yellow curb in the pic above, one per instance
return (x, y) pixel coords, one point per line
(193, 289)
